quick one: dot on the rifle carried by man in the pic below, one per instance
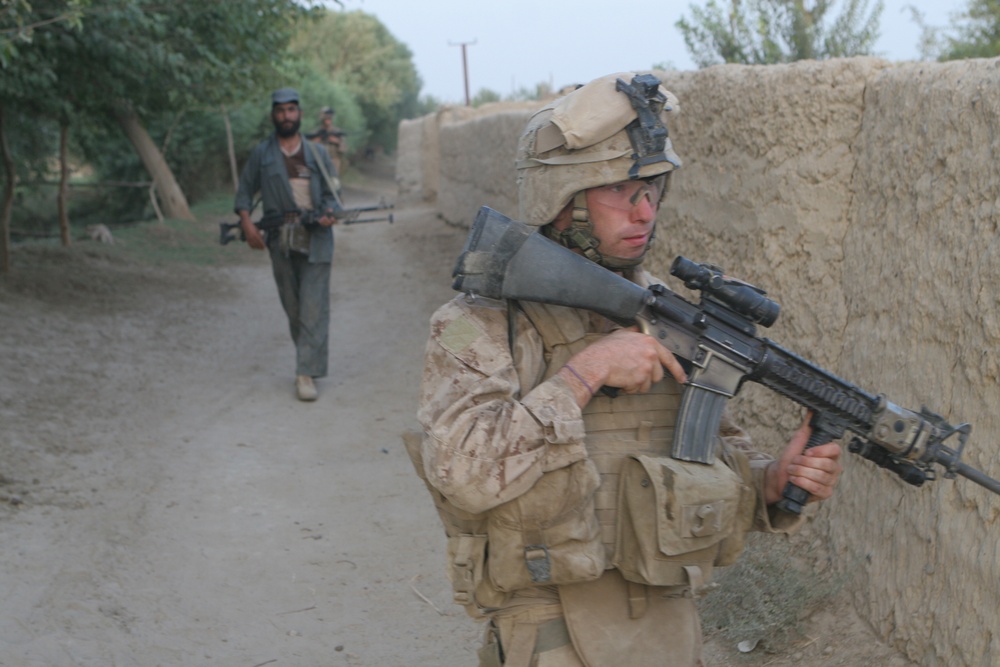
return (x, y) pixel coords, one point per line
(324, 134)
(716, 342)
(231, 231)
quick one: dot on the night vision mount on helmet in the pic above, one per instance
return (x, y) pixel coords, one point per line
(648, 133)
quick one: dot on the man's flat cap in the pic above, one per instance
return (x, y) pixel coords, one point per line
(284, 96)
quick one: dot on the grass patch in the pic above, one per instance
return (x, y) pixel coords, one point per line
(170, 241)
(766, 594)
(152, 242)
(216, 204)
(183, 241)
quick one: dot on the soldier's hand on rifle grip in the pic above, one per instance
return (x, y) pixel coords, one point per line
(815, 470)
(253, 236)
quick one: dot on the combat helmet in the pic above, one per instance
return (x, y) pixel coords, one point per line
(610, 130)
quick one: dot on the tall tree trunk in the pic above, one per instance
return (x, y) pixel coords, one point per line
(232, 150)
(174, 202)
(64, 183)
(8, 199)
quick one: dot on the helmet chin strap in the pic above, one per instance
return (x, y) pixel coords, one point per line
(579, 235)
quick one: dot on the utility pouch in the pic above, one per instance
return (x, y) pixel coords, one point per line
(673, 515)
(467, 546)
(731, 547)
(550, 534)
(466, 567)
(294, 238)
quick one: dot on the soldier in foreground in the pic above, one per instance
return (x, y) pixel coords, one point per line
(295, 181)
(571, 529)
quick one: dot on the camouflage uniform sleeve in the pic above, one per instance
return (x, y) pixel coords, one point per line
(767, 518)
(488, 439)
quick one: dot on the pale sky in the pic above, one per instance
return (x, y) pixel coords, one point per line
(514, 44)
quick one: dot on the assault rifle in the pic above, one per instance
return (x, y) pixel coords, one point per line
(324, 134)
(351, 216)
(231, 231)
(716, 340)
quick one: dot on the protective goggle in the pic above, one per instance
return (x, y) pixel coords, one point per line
(626, 194)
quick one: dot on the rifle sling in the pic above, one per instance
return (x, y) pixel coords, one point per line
(326, 174)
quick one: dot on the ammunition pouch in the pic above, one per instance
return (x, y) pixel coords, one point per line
(675, 515)
(550, 534)
(467, 547)
(294, 238)
(295, 231)
(732, 546)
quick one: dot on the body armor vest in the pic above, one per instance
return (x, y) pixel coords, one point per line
(663, 522)
(659, 521)
(640, 424)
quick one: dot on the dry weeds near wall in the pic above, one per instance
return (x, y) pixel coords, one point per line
(864, 197)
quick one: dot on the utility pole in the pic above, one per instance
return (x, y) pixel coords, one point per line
(465, 68)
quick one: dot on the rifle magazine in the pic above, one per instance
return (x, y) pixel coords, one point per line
(697, 428)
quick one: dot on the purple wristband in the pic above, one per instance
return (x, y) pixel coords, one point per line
(580, 378)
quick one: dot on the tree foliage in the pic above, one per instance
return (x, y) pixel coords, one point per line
(485, 96)
(542, 90)
(316, 91)
(356, 50)
(758, 32)
(174, 55)
(975, 32)
(141, 59)
(175, 65)
(21, 19)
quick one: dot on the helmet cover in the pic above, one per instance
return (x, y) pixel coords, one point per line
(610, 130)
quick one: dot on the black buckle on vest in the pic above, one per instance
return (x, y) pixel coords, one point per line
(536, 557)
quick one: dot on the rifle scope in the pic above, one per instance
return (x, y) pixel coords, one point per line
(742, 298)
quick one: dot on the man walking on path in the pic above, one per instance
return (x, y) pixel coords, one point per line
(294, 179)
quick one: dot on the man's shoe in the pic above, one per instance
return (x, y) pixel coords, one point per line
(305, 388)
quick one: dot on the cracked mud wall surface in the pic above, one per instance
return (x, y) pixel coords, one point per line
(921, 281)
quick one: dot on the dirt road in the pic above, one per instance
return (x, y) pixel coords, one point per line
(168, 501)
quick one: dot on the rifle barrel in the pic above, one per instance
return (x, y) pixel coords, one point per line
(351, 221)
(951, 462)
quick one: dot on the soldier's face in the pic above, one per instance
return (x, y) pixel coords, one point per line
(286, 118)
(623, 216)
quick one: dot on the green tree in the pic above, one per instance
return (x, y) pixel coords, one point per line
(141, 57)
(124, 63)
(485, 96)
(541, 91)
(758, 32)
(975, 32)
(26, 72)
(316, 91)
(356, 50)
(425, 105)
(20, 19)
